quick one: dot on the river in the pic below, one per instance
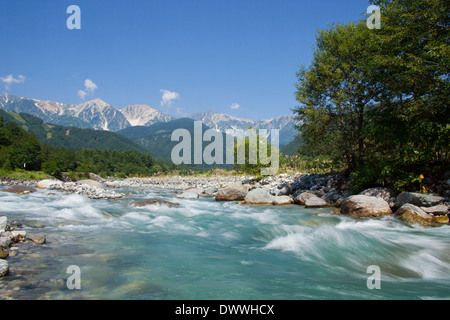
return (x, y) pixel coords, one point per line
(215, 251)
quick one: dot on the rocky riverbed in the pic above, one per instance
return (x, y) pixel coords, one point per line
(309, 190)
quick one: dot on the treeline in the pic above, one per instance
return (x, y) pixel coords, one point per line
(20, 149)
(376, 102)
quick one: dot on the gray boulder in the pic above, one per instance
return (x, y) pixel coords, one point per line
(211, 191)
(334, 197)
(418, 199)
(412, 214)
(365, 206)
(233, 192)
(301, 198)
(5, 242)
(282, 200)
(259, 197)
(437, 210)
(91, 183)
(37, 238)
(20, 189)
(315, 202)
(284, 190)
(44, 184)
(387, 194)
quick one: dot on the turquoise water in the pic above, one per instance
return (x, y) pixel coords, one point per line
(210, 250)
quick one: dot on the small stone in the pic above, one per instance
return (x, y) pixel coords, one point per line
(91, 183)
(154, 202)
(5, 242)
(4, 252)
(34, 224)
(8, 235)
(211, 191)
(3, 223)
(4, 268)
(37, 238)
(188, 195)
(442, 219)
(19, 235)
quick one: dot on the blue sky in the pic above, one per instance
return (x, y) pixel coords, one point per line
(178, 56)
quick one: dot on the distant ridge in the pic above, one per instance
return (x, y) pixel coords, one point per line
(100, 115)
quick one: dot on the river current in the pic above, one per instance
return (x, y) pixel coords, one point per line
(217, 251)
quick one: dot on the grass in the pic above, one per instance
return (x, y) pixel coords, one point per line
(23, 174)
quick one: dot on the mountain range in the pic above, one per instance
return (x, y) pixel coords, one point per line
(71, 138)
(100, 115)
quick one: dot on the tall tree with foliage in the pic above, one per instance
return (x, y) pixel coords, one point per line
(336, 90)
(378, 99)
(413, 118)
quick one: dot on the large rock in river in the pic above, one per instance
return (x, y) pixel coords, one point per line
(20, 189)
(315, 202)
(301, 198)
(418, 199)
(282, 200)
(154, 202)
(91, 183)
(44, 184)
(259, 196)
(233, 192)
(365, 206)
(414, 215)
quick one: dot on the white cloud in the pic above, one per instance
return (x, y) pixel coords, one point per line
(89, 88)
(9, 79)
(168, 97)
(235, 106)
(82, 94)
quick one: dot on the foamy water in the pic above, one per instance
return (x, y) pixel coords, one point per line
(213, 250)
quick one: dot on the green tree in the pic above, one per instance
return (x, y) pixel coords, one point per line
(52, 168)
(378, 100)
(336, 90)
(253, 163)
